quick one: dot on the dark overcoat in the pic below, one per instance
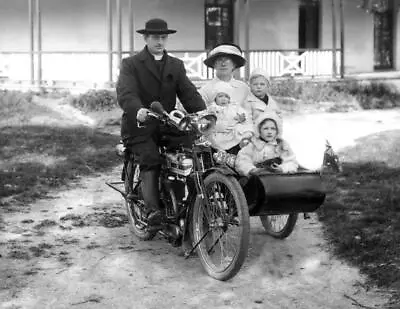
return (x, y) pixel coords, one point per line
(140, 83)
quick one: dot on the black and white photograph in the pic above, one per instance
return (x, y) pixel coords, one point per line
(228, 154)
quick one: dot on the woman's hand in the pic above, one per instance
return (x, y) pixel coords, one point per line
(244, 142)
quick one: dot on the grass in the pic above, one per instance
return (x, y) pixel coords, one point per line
(35, 157)
(361, 215)
(343, 95)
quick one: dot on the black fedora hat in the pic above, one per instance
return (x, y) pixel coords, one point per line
(156, 26)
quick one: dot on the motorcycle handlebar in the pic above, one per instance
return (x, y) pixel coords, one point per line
(164, 118)
(182, 123)
(158, 108)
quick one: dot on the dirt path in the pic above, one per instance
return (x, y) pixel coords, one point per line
(74, 250)
(91, 261)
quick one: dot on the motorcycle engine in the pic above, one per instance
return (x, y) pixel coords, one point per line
(179, 164)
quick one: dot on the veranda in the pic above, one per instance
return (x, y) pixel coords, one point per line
(99, 69)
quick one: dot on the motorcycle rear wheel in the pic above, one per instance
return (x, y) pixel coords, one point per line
(133, 208)
(228, 212)
(279, 226)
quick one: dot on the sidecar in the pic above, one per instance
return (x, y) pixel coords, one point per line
(278, 198)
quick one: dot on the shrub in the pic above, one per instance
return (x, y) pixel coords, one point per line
(16, 107)
(374, 95)
(369, 95)
(13, 97)
(95, 100)
(346, 94)
(308, 91)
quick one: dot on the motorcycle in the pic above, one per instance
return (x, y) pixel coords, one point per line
(204, 206)
(207, 204)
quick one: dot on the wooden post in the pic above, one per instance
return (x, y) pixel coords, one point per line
(32, 40)
(109, 42)
(119, 30)
(334, 64)
(131, 30)
(39, 43)
(236, 30)
(247, 38)
(341, 39)
(236, 22)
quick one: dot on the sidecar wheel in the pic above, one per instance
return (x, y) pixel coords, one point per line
(279, 226)
(223, 228)
(132, 208)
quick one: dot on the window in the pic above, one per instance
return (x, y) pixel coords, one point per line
(218, 22)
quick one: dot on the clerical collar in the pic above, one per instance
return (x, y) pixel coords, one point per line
(156, 57)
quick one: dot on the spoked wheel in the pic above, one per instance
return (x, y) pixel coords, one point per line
(279, 226)
(134, 205)
(223, 228)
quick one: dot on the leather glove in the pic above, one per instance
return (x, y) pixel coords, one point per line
(141, 115)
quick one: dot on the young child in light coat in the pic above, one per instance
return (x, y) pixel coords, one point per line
(258, 101)
(234, 124)
(266, 146)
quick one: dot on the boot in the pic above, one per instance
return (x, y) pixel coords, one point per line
(151, 196)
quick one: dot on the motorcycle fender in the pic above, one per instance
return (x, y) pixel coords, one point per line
(222, 170)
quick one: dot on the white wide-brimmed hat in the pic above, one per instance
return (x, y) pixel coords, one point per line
(228, 50)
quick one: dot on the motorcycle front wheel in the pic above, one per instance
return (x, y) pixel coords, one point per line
(133, 207)
(222, 228)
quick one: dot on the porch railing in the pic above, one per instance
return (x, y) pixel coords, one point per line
(92, 69)
(279, 63)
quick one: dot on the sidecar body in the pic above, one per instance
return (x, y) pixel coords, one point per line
(278, 194)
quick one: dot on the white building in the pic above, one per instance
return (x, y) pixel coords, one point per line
(76, 38)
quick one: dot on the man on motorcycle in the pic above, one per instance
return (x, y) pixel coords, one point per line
(152, 75)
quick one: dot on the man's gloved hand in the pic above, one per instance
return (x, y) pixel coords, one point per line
(142, 115)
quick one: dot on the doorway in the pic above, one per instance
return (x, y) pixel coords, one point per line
(383, 38)
(218, 22)
(309, 24)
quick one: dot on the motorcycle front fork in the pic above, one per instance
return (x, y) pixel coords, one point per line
(200, 191)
